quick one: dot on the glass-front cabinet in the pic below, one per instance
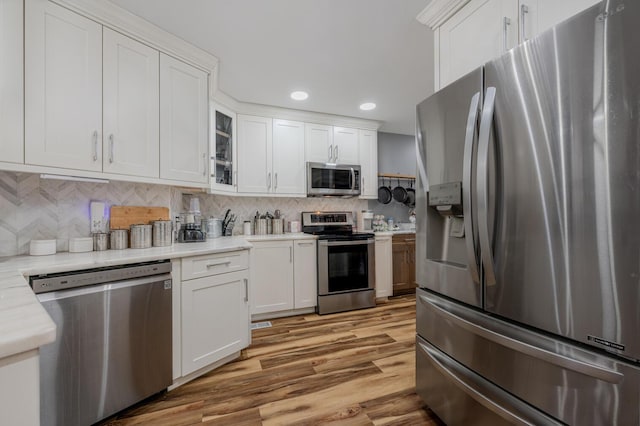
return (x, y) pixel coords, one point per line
(223, 150)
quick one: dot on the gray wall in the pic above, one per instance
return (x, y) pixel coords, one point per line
(396, 154)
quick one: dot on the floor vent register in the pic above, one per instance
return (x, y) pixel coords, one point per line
(259, 325)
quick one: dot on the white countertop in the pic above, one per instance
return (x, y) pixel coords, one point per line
(395, 232)
(25, 325)
(280, 237)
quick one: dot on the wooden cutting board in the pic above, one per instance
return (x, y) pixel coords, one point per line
(122, 217)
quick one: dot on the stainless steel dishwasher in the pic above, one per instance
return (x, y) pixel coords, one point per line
(113, 343)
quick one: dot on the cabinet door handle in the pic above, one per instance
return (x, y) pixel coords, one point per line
(505, 28)
(269, 180)
(211, 265)
(330, 152)
(305, 244)
(95, 145)
(235, 179)
(276, 179)
(335, 151)
(111, 148)
(204, 163)
(524, 9)
(246, 289)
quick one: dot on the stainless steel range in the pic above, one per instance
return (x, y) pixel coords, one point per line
(346, 262)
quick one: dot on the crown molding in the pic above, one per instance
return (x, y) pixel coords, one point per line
(125, 22)
(438, 11)
(247, 108)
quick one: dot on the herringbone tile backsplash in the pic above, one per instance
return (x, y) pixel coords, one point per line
(34, 208)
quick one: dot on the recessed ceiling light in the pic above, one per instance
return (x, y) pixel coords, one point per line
(367, 106)
(299, 95)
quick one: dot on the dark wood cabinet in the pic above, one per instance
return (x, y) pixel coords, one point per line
(404, 264)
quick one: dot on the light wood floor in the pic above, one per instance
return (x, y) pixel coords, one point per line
(352, 368)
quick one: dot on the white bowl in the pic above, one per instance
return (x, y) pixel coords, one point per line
(42, 247)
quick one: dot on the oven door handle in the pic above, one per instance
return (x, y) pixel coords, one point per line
(347, 243)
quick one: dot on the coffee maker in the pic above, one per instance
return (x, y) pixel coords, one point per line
(364, 219)
(190, 229)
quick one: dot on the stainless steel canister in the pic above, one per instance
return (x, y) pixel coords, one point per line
(100, 241)
(213, 228)
(141, 236)
(119, 239)
(247, 227)
(278, 226)
(261, 226)
(162, 233)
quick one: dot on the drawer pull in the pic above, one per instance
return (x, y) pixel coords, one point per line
(211, 265)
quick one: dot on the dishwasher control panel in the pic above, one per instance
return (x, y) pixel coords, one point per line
(68, 280)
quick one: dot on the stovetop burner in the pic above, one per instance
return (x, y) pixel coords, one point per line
(354, 236)
(334, 226)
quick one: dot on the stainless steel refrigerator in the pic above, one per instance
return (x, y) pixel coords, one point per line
(528, 232)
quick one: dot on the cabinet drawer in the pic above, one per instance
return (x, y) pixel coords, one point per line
(214, 264)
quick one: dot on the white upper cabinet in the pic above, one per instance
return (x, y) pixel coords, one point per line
(318, 143)
(477, 33)
(255, 142)
(288, 158)
(63, 88)
(131, 142)
(184, 125)
(345, 145)
(11, 82)
(484, 29)
(537, 16)
(368, 144)
(223, 151)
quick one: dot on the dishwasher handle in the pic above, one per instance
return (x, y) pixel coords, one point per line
(165, 279)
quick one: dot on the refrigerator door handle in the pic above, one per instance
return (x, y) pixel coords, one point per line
(422, 170)
(472, 121)
(479, 388)
(486, 122)
(559, 360)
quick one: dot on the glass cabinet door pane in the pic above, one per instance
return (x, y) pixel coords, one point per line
(224, 149)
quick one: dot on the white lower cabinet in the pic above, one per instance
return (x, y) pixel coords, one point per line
(305, 276)
(271, 276)
(384, 266)
(214, 314)
(283, 276)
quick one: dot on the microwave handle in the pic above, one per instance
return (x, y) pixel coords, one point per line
(353, 179)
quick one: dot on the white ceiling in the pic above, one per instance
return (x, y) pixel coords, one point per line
(343, 52)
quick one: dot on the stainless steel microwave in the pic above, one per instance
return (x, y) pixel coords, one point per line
(326, 179)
